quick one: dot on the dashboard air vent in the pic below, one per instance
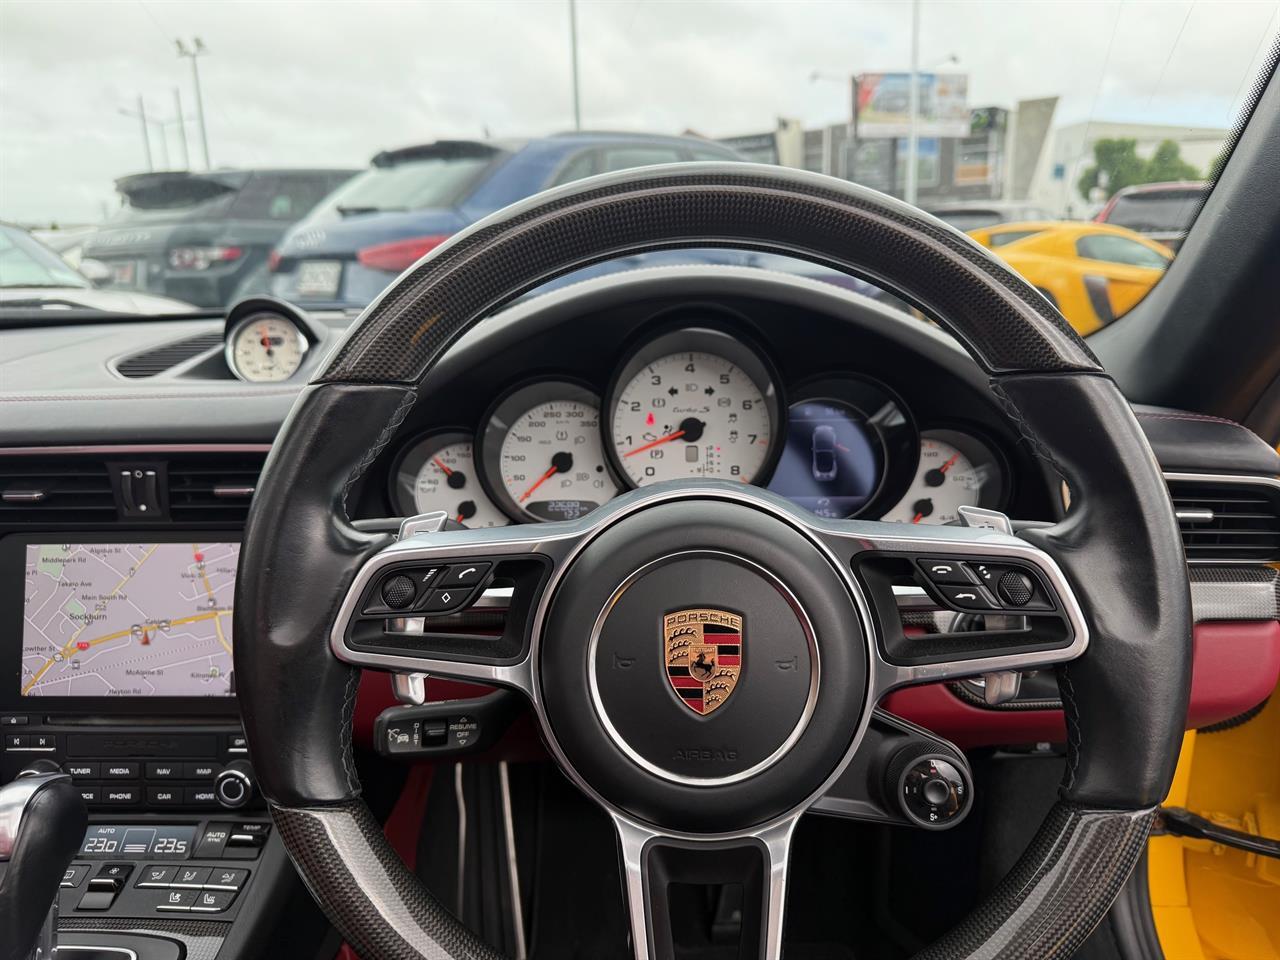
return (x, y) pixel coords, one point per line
(1227, 520)
(213, 488)
(70, 490)
(152, 362)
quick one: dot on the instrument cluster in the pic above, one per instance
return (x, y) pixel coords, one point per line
(697, 402)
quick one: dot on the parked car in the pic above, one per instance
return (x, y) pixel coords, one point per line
(35, 278)
(1092, 272)
(199, 236)
(973, 214)
(412, 199)
(1159, 211)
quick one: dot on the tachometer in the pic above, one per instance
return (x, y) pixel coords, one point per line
(265, 348)
(693, 403)
(439, 473)
(955, 470)
(542, 452)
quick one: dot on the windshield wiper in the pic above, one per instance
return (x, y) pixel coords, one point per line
(354, 211)
(40, 286)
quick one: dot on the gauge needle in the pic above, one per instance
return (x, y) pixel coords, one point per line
(439, 463)
(560, 463)
(653, 443)
(950, 463)
(917, 518)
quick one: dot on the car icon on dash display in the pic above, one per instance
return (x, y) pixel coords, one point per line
(824, 453)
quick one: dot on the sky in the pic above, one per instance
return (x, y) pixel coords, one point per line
(330, 83)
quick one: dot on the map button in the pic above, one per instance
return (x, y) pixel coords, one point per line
(201, 770)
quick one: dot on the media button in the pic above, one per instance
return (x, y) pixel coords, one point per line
(120, 770)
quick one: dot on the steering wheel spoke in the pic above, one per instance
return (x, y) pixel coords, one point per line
(958, 601)
(660, 870)
(453, 602)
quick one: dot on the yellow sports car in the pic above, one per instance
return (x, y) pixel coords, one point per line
(1092, 272)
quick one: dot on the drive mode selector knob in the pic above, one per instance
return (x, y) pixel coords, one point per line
(234, 785)
(931, 787)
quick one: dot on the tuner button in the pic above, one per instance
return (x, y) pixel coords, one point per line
(234, 785)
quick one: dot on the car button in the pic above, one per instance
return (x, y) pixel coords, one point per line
(442, 601)
(966, 597)
(212, 901)
(464, 574)
(940, 570)
(177, 901)
(193, 877)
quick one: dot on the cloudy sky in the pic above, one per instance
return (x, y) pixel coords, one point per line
(320, 83)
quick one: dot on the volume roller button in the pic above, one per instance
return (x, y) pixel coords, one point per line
(398, 592)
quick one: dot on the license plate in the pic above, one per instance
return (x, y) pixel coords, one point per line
(319, 278)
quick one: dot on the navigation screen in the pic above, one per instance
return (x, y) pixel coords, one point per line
(128, 619)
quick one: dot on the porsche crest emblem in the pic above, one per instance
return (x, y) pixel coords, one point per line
(704, 656)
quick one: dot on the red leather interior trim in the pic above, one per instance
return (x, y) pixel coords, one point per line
(1236, 667)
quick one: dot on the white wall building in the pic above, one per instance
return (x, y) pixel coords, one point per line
(1070, 152)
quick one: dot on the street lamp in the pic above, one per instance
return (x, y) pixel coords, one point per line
(195, 52)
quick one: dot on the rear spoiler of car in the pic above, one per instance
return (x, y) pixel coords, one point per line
(440, 150)
(177, 188)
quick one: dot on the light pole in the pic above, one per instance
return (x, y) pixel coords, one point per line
(182, 128)
(913, 108)
(573, 53)
(141, 115)
(195, 52)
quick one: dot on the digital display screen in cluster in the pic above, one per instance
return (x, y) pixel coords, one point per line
(831, 463)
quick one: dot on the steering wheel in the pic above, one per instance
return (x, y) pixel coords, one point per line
(714, 794)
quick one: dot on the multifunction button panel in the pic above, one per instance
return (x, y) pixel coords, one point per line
(128, 768)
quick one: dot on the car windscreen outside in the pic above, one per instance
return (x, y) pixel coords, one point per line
(411, 185)
(971, 219)
(1159, 211)
(1120, 250)
(285, 196)
(1011, 236)
(24, 263)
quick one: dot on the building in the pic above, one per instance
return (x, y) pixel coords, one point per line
(1070, 153)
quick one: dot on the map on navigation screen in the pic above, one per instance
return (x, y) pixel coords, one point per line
(128, 619)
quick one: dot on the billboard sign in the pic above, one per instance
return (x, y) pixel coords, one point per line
(882, 105)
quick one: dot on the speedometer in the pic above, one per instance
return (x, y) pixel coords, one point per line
(693, 403)
(542, 452)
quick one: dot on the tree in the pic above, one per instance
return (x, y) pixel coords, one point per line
(1167, 164)
(1116, 165)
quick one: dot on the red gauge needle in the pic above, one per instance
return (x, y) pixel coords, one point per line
(439, 463)
(653, 443)
(551, 472)
(949, 464)
(917, 518)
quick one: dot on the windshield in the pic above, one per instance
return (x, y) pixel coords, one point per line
(25, 263)
(205, 152)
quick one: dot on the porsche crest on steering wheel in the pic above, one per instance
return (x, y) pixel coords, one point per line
(704, 649)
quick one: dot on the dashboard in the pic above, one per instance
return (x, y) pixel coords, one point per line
(725, 390)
